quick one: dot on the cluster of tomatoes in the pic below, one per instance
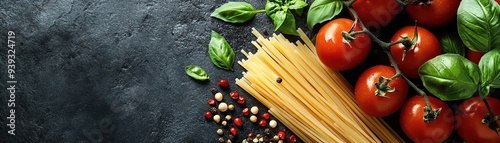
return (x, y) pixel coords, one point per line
(338, 54)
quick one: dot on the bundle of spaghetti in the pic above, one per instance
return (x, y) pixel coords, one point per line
(313, 101)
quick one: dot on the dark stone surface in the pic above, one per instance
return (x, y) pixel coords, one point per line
(113, 71)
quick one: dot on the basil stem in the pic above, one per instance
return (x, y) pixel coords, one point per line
(220, 52)
(196, 72)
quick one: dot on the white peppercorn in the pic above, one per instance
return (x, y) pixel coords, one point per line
(217, 118)
(273, 124)
(223, 107)
(218, 96)
(253, 118)
(254, 110)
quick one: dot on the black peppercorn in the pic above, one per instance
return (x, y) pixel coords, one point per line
(214, 90)
(213, 110)
(279, 80)
(221, 139)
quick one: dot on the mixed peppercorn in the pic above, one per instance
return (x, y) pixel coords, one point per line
(223, 112)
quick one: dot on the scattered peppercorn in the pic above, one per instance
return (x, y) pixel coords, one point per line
(253, 118)
(224, 123)
(245, 111)
(233, 131)
(228, 117)
(280, 141)
(273, 124)
(234, 95)
(266, 139)
(223, 83)
(211, 102)
(241, 100)
(254, 110)
(217, 118)
(262, 123)
(218, 97)
(261, 139)
(255, 140)
(251, 135)
(214, 90)
(281, 135)
(221, 139)
(276, 138)
(230, 137)
(265, 32)
(279, 80)
(222, 107)
(238, 122)
(213, 110)
(230, 107)
(208, 115)
(267, 131)
(266, 115)
(220, 132)
(292, 139)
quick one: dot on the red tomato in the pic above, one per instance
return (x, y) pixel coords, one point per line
(474, 56)
(411, 121)
(338, 55)
(376, 13)
(498, 1)
(427, 47)
(469, 126)
(379, 106)
(435, 14)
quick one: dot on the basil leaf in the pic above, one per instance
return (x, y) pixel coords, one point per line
(479, 24)
(323, 10)
(297, 4)
(196, 72)
(289, 26)
(489, 65)
(451, 43)
(221, 53)
(450, 77)
(274, 11)
(235, 12)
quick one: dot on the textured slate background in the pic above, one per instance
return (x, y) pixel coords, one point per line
(116, 68)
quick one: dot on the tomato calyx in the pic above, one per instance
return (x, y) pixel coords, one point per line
(410, 44)
(430, 114)
(383, 86)
(422, 2)
(348, 37)
(490, 121)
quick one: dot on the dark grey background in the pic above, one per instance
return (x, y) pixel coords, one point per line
(113, 71)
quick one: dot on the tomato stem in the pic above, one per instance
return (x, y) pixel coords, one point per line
(430, 113)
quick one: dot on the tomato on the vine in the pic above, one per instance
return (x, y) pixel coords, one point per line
(411, 120)
(380, 106)
(376, 13)
(336, 54)
(427, 47)
(433, 13)
(474, 56)
(468, 124)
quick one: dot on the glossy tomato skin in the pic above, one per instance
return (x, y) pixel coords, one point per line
(334, 53)
(468, 124)
(378, 106)
(474, 56)
(411, 121)
(376, 13)
(427, 47)
(437, 14)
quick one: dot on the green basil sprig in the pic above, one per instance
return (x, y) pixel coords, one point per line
(235, 12)
(489, 65)
(479, 24)
(196, 72)
(220, 52)
(323, 10)
(283, 19)
(450, 77)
